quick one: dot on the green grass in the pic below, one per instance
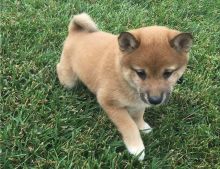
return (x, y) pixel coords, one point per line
(45, 126)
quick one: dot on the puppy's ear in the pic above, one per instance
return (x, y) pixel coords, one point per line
(182, 42)
(127, 42)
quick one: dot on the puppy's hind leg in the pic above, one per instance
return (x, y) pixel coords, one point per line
(66, 75)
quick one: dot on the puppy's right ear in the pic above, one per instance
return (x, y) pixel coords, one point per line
(127, 42)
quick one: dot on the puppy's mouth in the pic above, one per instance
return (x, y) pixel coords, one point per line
(155, 100)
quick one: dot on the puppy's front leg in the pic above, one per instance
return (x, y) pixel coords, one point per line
(139, 120)
(127, 127)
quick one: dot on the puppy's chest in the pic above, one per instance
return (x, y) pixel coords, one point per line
(132, 103)
(136, 106)
(134, 109)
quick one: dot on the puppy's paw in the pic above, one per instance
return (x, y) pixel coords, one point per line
(146, 128)
(137, 151)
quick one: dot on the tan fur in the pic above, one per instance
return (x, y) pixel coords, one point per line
(94, 57)
(82, 21)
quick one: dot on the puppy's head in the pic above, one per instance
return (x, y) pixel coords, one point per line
(152, 60)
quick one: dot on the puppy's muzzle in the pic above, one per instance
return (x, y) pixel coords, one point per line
(155, 99)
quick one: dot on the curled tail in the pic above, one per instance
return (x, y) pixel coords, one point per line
(82, 22)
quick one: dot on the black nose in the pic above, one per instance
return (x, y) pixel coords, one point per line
(155, 99)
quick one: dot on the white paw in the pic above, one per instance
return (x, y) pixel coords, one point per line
(137, 151)
(146, 129)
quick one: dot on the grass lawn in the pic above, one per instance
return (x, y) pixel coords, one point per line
(42, 125)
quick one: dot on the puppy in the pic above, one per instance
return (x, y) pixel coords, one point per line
(126, 72)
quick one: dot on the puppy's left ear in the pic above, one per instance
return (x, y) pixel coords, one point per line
(127, 42)
(182, 42)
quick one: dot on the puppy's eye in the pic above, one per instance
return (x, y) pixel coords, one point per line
(141, 73)
(167, 74)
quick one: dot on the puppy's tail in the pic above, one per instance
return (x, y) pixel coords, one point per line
(82, 22)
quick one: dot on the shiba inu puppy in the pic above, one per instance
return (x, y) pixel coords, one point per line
(126, 72)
